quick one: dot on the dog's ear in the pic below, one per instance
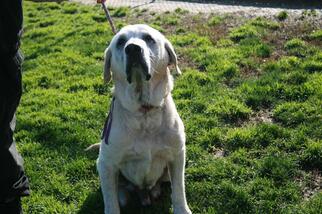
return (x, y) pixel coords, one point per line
(172, 56)
(107, 65)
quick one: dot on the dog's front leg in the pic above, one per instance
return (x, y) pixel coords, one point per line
(178, 195)
(108, 175)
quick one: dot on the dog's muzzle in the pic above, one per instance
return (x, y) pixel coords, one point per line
(135, 60)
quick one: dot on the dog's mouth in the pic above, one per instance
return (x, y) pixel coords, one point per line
(136, 66)
(137, 70)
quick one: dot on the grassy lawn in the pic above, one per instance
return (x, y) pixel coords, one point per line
(250, 97)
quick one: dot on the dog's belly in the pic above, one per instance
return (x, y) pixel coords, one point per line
(145, 167)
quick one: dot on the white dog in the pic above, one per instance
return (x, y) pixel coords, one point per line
(143, 140)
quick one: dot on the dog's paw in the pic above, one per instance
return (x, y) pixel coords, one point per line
(146, 201)
(182, 210)
(156, 191)
(111, 211)
(144, 197)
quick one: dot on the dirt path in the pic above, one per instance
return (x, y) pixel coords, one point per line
(252, 9)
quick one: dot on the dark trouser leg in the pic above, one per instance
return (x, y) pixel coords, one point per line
(13, 182)
(13, 207)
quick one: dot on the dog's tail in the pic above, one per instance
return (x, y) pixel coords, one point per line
(94, 147)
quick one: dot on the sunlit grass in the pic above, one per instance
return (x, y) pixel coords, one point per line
(247, 91)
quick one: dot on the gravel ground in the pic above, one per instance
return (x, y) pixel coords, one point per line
(218, 8)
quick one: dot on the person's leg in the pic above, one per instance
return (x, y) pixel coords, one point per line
(13, 182)
(13, 207)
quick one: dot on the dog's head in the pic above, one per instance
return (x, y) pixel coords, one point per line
(136, 53)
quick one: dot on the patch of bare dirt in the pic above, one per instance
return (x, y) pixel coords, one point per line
(262, 116)
(218, 153)
(311, 185)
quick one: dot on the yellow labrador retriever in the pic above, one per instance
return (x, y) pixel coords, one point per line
(143, 141)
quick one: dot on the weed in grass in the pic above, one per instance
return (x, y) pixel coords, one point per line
(230, 110)
(292, 113)
(224, 43)
(181, 11)
(258, 96)
(296, 78)
(263, 50)
(215, 20)
(46, 23)
(99, 18)
(243, 32)
(316, 35)
(312, 66)
(282, 15)
(312, 155)
(264, 23)
(266, 134)
(239, 138)
(180, 31)
(278, 168)
(230, 71)
(170, 20)
(312, 206)
(121, 12)
(287, 64)
(308, 13)
(240, 200)
(297, 47)
(72, 9)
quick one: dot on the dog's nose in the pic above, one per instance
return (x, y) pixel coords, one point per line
(132, 49)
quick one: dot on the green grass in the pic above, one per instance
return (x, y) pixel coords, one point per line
(234, 70)
(282, 15)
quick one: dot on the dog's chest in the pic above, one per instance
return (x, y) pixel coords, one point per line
(145, 160)
(147, 125)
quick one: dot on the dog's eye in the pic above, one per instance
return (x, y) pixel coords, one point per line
(121, 41)
(148, 39)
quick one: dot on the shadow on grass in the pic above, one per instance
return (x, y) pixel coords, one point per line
(286, 4)
(46, 49)
(94, 203)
